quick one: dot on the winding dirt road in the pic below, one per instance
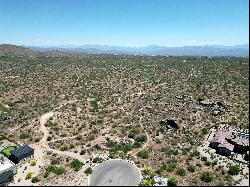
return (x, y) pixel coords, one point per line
(44, 143)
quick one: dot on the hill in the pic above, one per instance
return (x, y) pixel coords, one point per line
(8, 48)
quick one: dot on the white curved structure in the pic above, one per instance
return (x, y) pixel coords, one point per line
(115, 172)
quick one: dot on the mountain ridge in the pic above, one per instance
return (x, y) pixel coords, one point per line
(206, 50)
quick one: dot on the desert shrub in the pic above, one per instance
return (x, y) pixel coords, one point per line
(65, 147)
(54, 169)
(33, 162)
(146, 182)
(28, 175)
(82, 152)
(171, 167)
(97, 159)
(204, 131)
(76, 165)
(54, 162)
(143, 154)
(167, 150)
(34, 179)
(88, 171)
(181, 171)
(24, 135)
(131, 134)
(234, 170)
(172, 181)
(207, 176)
(195, 153)
(191, 168)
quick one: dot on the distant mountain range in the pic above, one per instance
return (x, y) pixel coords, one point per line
(206, 50)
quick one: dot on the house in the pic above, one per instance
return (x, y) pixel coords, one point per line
(226, 142)
(241, 144)
(220, 144)
(21, 154)
(7, 170)
(225, 149)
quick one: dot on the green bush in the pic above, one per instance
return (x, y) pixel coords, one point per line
(131, 134)
(147, 170)
(54, 169)
(204, 131)
(191, 168)
(88, 171)
(28, 175)
(65, 147)
(34, 179)
(207, 176)
(171, 167)
(24, 135)
(143, 154)
(55, 162)
(146, 182)
(97, 159)
(181, 171)
(172, 181)
(141, 139)
(76, 165)
(234, 170)
(167, 150)
(195, 153)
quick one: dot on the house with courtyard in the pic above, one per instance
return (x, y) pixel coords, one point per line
(226, 142)
(21, 154)
(7, 170)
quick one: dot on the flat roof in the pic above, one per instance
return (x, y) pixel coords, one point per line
(5, 164)
(20, 151)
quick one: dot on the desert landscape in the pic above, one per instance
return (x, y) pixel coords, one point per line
(77, 110)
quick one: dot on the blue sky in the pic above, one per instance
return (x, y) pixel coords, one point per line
(124, 22)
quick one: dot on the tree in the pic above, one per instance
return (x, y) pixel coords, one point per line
(234, 170)
(207, 176)
(172, 181)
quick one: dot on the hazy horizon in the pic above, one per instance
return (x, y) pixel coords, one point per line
(124, 23)
(95, 44)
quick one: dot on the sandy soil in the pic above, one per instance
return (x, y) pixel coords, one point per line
(73, 178)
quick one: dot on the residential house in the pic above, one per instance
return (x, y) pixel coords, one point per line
(22, 154)
(7, 170)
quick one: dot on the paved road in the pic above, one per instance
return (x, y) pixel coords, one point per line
(115, 173)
